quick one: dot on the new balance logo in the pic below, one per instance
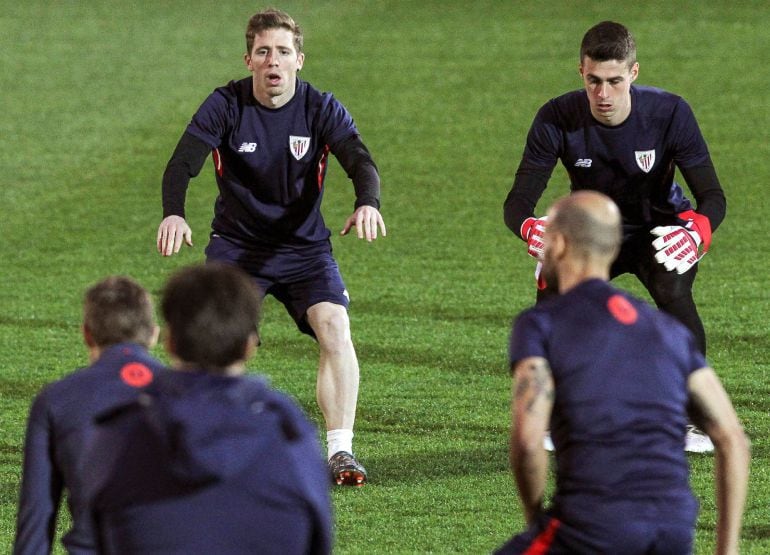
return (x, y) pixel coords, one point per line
(583, 163)
(247, 147)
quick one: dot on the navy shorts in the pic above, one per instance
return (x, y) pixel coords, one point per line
(296, 279)
(659, 527)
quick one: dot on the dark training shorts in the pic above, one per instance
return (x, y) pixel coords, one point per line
(651, 527)
(297, 280)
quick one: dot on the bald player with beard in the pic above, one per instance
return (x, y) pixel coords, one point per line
(615, 379)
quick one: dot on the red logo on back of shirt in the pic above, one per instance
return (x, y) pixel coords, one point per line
(136, 374)
(622, 310)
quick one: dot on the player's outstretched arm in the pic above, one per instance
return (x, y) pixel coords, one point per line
(533, 391)
(367, 220)
(171, 232)
(712, 411)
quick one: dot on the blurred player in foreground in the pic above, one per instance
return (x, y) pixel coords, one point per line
(626, 141)
(615, 378)
(118, 328)
(271, 135)
(209, 460)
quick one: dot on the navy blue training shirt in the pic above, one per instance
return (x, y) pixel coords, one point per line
(60, 425)
(620, 369)
(210, 464)
(271, 163)
(633, 163)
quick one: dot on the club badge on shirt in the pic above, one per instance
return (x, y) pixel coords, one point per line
(645, 159)
(298, 146)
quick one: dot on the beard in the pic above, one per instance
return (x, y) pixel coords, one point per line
(550, 275)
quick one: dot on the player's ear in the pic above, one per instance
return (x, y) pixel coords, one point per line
(634, 71)
(251, 346)
(300, 60)
(247, 60)
(558, 244)
(154, 337)
(88, 337)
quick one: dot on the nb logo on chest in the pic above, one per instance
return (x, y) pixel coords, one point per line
(247, 147)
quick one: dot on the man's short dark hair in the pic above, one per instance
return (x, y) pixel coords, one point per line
(272, 19)
(608, 41)
(211, 311)
(118, 310)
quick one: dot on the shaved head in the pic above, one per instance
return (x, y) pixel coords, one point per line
(590, 222)
(582, 237)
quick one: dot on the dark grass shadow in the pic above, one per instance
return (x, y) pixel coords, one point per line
(38, 323)
(21, 390)
(493, 317)
(417, 468)
(439, 358)
(756, 532)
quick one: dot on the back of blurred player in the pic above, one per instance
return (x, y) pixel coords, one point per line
(209, 460)
(118, 328)
(615, 379)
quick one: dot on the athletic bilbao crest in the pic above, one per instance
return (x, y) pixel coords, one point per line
(298, 146)
(645, 159)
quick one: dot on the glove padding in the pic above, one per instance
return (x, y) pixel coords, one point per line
(677, 247)
(532, 231)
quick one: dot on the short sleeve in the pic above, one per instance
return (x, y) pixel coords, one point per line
(544, 140)
(336, 123)
(210, 122)
(528, 337)
(690, 146)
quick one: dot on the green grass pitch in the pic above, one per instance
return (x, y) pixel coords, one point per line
(96, 94)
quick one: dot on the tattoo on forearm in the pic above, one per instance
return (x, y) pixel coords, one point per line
(534, 383)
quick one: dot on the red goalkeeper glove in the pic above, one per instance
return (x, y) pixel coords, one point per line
(532, 231)
(677, 246)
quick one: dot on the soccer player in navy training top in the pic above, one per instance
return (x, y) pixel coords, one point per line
(118, 328)
(271, 135)
(208, 460)
(626, 141)
(615, 378)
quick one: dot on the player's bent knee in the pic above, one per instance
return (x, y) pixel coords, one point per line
(671, 288)
(330, 323)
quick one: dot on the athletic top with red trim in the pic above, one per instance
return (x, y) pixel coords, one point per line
(633, 163)
(620, 369)
(60, 426)
(271, 163)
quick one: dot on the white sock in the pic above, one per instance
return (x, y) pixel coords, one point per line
(339, 440)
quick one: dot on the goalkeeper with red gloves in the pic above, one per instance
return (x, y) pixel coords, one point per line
(626, 141)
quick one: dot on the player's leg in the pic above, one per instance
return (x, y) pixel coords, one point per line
(318, 303)
(337, 389)
(672, 293)
(338, 374)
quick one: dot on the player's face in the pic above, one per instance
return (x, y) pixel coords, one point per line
(608, 85)
(274, 63)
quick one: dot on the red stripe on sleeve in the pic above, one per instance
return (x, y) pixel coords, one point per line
(322, 167)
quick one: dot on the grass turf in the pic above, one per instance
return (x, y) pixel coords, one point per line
(96, 95)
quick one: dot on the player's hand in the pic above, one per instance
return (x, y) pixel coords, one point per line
(367, 220)
(171, 232)
(677, 247)
(532, 231)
